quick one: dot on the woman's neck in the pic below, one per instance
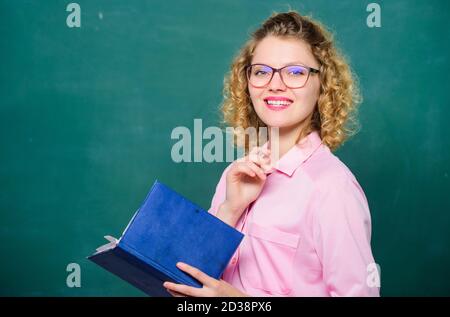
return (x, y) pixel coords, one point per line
(287, 138)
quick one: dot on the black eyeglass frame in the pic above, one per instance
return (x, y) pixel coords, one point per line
(274, 70)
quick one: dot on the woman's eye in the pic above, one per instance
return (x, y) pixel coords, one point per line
(260, 72)
(297, 71)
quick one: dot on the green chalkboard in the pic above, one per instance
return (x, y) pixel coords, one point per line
(86, 116)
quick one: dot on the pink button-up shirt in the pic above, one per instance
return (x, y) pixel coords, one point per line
(308, 233)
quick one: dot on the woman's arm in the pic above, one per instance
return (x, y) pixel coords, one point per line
(342, 231)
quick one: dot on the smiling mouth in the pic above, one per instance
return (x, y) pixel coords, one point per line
(277, 105)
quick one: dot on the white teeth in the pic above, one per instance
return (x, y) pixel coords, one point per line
(278, 102)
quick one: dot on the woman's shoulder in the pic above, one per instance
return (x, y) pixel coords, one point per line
(336, 188)
(327, 171)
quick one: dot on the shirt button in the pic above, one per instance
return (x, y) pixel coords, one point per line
(233, 261)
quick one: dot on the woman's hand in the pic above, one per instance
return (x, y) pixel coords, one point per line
(245, 180)
(211, 286)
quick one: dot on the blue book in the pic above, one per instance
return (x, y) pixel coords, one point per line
(166, 229)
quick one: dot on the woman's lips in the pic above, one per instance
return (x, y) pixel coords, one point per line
(279, 107)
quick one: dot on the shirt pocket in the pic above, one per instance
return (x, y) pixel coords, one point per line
(269, 254)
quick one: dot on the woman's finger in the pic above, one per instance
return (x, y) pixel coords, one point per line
(196, 273)
(257, 169)
(182, 289)
(251, 169)
(258, 160)
(260, 157)
(175, 294)
(243, 168)
(260, 151)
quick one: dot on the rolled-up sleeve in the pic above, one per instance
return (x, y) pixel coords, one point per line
(341, 234)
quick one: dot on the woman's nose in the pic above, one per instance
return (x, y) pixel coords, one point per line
(276, 83)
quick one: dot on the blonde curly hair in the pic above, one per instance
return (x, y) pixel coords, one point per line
(334, 116)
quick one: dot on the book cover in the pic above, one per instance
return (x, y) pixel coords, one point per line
(168, 228)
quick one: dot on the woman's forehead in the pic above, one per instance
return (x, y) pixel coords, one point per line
(278, 52)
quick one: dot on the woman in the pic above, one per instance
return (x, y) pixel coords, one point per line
(305, 217)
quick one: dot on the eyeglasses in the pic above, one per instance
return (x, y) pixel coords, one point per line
(293, 76)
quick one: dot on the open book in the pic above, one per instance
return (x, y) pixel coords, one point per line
(166, 229)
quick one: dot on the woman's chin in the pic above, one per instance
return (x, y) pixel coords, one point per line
(280, 124)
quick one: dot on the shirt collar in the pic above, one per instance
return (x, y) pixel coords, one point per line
(298, 154)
